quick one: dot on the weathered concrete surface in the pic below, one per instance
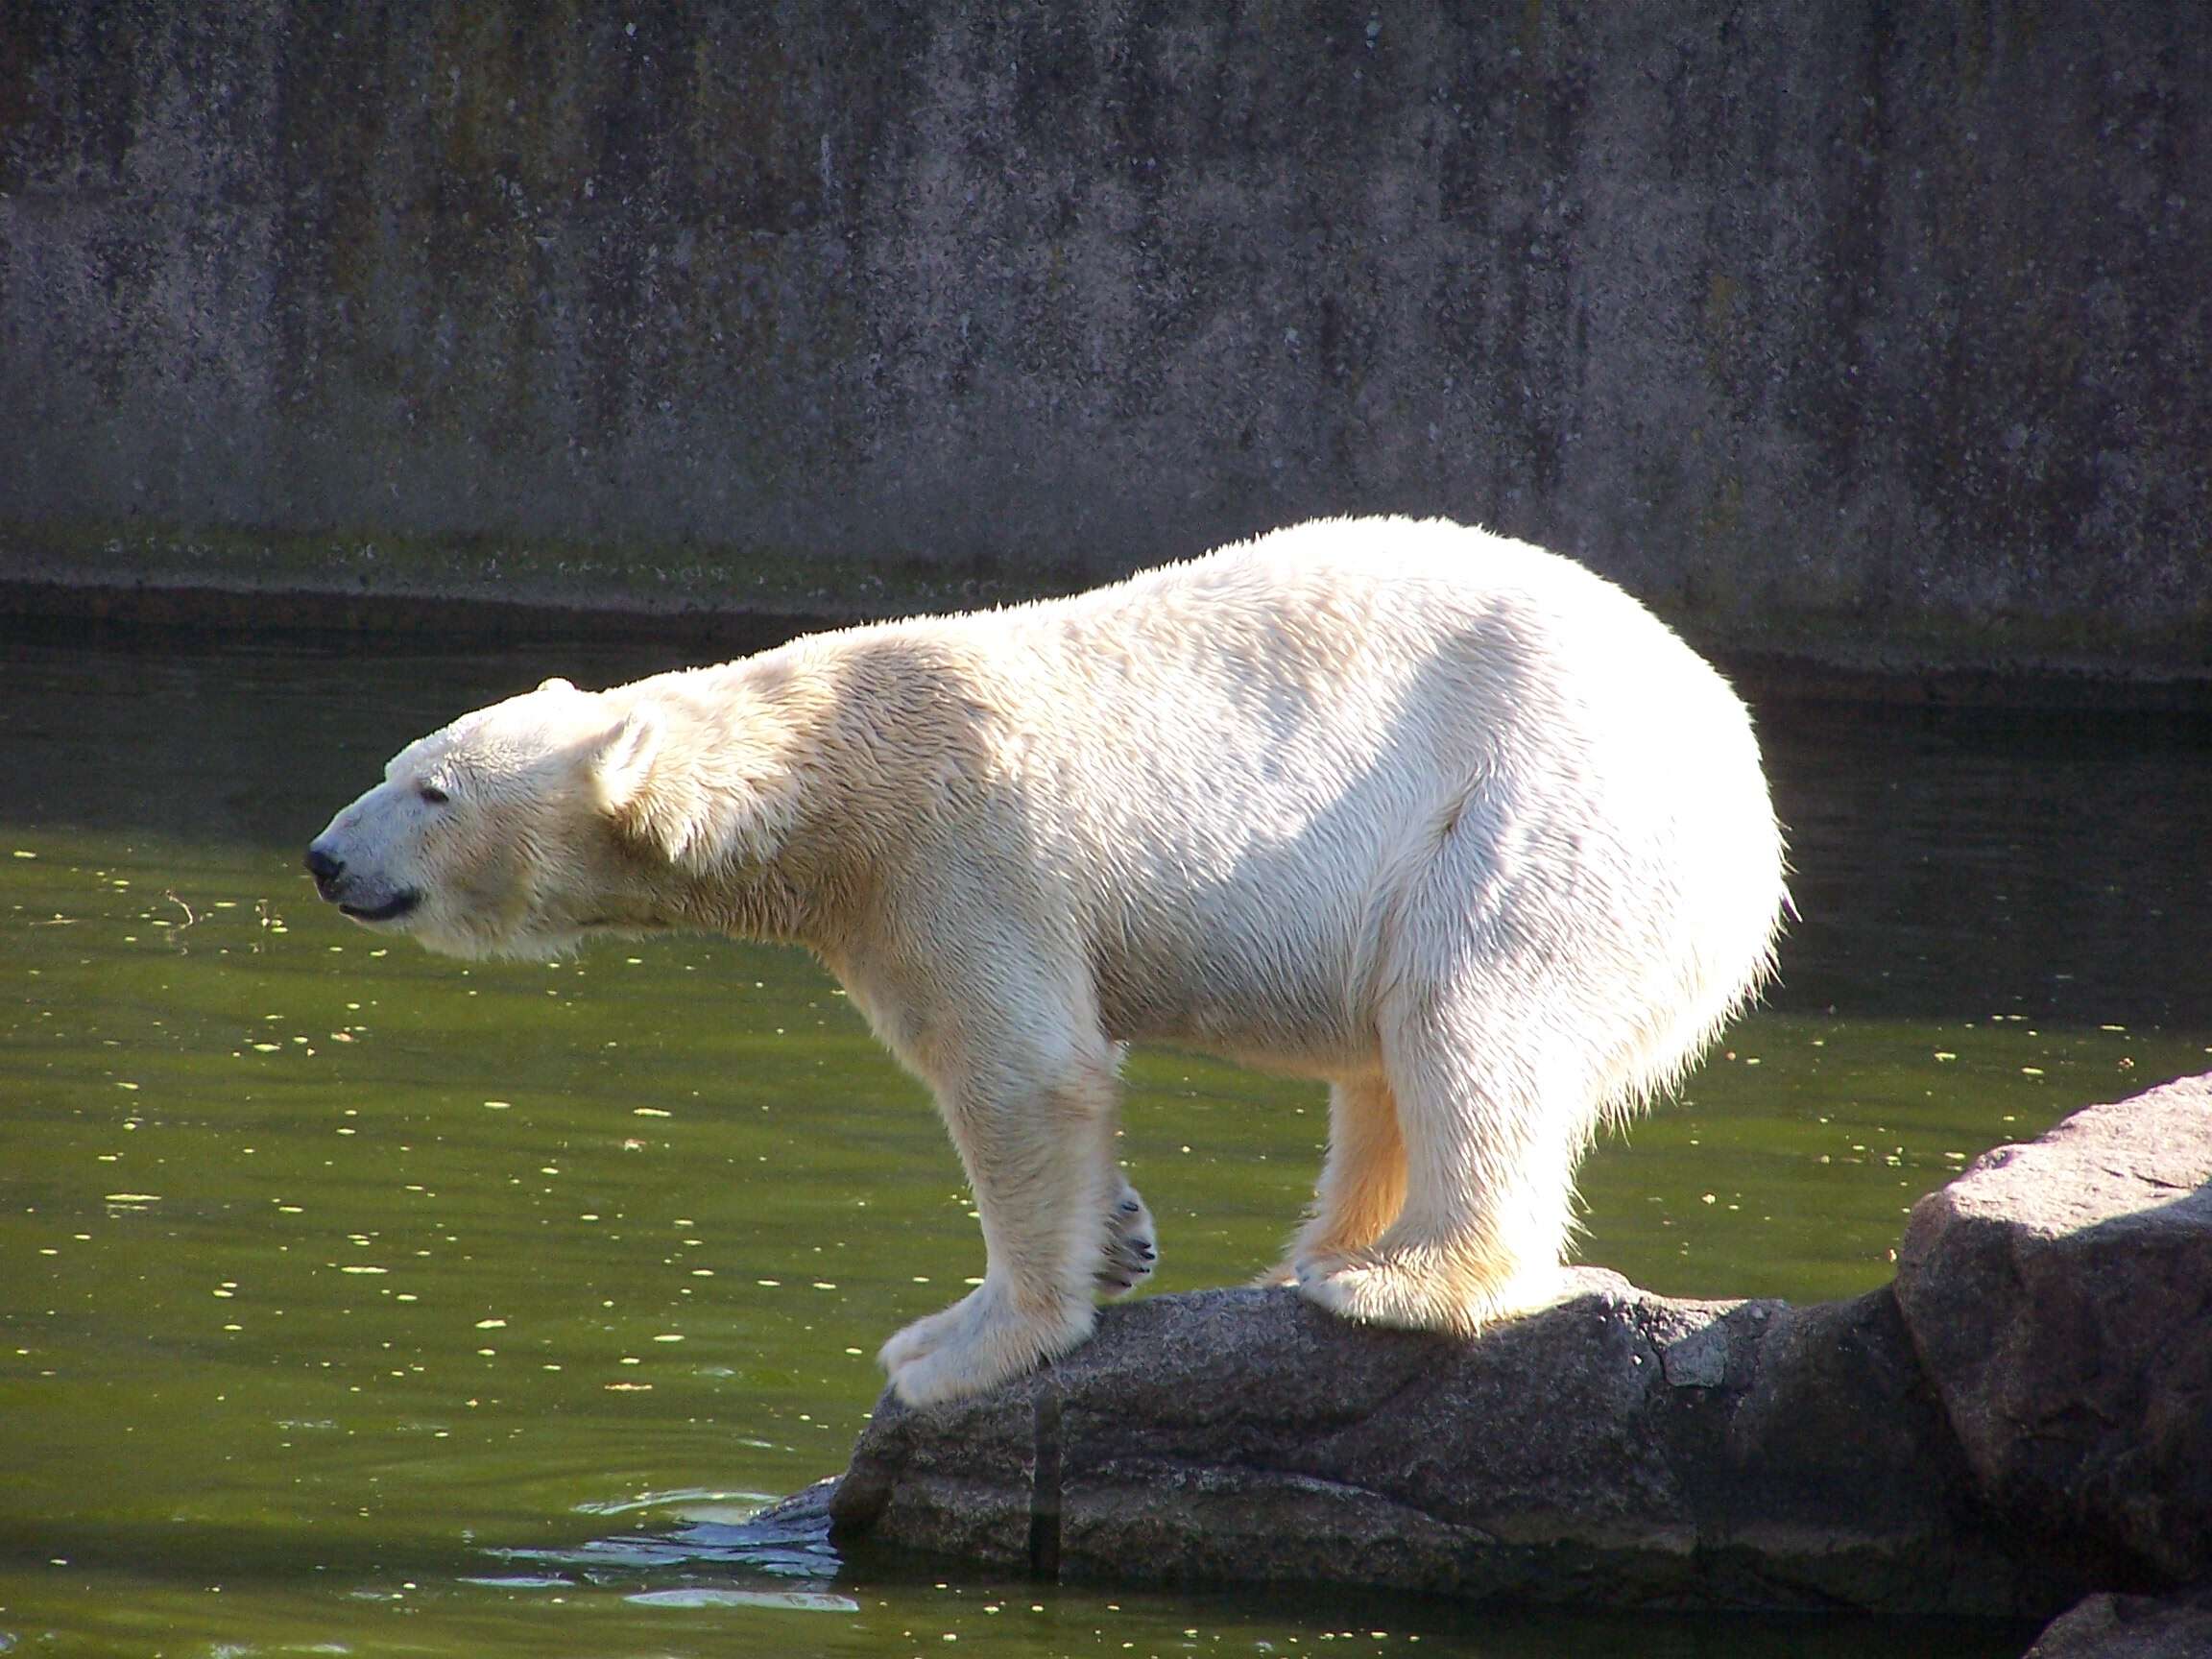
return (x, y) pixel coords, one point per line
(2022, 1420)
(2060, 1296)
(1864, 332)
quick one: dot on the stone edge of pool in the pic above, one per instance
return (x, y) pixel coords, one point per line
(1801, 660)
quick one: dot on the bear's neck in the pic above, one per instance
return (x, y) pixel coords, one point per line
(854, 813)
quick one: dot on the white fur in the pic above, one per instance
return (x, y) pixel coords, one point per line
(1437, 817)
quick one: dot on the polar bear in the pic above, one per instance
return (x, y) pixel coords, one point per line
(1438, 818)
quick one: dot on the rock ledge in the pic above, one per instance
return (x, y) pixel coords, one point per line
(2024, 1417)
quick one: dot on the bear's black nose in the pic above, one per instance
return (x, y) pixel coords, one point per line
(322, 866)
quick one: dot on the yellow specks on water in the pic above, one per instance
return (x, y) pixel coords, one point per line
(131, 1199)
(824, 1284)
(648, 1111)
(2031, 1071)
(25, 853)
(1946, 1054)
(629, 1387)
(669, 1336)
(364, 1269)
(770, 1284)
(498, 1105)
(133, 1087)
(266, 1048)
(490, 1324)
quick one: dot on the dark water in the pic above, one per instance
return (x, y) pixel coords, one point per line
(354, 1301)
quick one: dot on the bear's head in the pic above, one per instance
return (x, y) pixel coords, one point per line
(523, 827)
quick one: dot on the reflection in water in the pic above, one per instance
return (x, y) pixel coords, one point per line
(1972, 862)
(351, 1296)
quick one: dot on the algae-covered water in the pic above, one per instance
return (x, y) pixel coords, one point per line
(353, 1301)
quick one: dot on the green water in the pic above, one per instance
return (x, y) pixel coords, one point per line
(355, 1301)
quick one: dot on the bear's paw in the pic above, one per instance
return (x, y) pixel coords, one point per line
(1132, 1246)
(1425, 1289)
(979, 1342)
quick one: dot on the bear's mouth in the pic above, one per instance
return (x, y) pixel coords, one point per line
(391, 910)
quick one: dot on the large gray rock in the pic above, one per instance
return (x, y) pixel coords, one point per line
(2026, 1416)
(1619, 1448)
(2059, 1295)
(2109, 1627)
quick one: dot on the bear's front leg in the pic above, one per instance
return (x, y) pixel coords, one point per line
(1035, 1135)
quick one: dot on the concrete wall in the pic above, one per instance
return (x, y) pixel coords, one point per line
(1872, 331)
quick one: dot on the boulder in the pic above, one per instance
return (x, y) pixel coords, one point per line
(2060, 1297)
(2109, 1627)
(1618, 1447)
(2024, 1417)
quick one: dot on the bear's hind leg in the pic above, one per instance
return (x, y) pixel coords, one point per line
(1490, 1155)
(1362, 1184)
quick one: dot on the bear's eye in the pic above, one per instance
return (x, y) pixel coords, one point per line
(432, 794)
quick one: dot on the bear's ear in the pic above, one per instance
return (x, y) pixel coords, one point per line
(622, 761)
(681, 807)
(556, 684)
